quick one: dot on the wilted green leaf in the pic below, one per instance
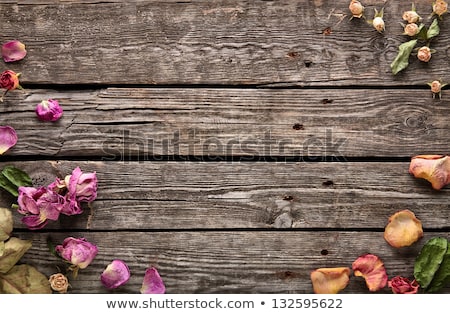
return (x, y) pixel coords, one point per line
(433, 30)
(429, 259)
(8, 186)
(14, 250)
(442, 276)
(24, 279)
(16, 176)
(6, 223)
(401, 61)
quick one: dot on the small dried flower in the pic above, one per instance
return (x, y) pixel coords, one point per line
(9, 80)
(59, 283)
(372, 269)
(330, 280)
(411, 16)
(433, 168)
(436, 88)
(115, 274)
(356, 8)
(152, 283)
(13, 50)
(403, 229)
(440, 7)
(8, 138)
(424, 54)
(378, 22)
(49, 110)
(411, 29)
(402, 285)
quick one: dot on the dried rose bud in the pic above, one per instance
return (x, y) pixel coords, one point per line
(371, 268)
(9, 80)
(403, 229)
(152, 283)
(411, 16)
(330, 280)
(402, 285)
(433, 168)
(378, 23)
(59, 283)
(8, 138)
(436, 88)
(49, 110)
(356, 8)
(78, 252)
(115, 274)
(411, 29)
(440, 7)
(13, 50)
(424, 54)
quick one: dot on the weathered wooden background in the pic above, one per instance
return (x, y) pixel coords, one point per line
(238, 144)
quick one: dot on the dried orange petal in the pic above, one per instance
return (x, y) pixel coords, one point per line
(371, 268)
(403, 229)
(330, 280)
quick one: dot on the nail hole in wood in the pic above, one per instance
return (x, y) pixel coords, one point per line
(298, 126)
(324, 252)
(327, 183)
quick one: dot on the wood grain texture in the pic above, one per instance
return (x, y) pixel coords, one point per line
(119, 123)
(219, 195)
(221, 42)
(227, 262)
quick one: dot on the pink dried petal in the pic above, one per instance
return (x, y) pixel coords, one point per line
(8, 138)
(49, 110)
(13, 50)
(433, 168)
(403, 229)
(152, 283)
(115, 274)
(371, 268)
(330, 280)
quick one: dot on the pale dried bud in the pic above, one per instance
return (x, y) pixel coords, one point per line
(440, 7)
(411, 16)
(436, 87)
(59, 283)
(378, 23)
(356, 8)
(411, 29)
(424, 54)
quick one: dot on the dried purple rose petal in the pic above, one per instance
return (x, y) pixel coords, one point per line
(115, 274)
(13, 50)
(152, 283)
(8, 138)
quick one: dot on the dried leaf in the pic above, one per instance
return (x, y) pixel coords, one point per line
(24, 279)
(6, 223)
(401, 61)
(429, 259)
(433, 30)
(442, 277)
(14, 250)
(16, 176)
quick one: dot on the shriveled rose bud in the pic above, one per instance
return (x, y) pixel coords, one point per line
(78, 252)
(411, 16)
(356, 8)
(115, 274)
(152, 283)
(372, 269)
(411, 29)
(436, 88)
(440, 7)
(49, 110)
(402, 285)
(13, 50)
(433, 168)
(378, 23)
(8, 138)
(403, 229)
(424, 54)
(330, 280)
(59, 283)
(9, 80)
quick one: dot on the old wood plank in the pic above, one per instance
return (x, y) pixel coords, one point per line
(217, 195)
(227, 262)
(289, 42)
(119, 123)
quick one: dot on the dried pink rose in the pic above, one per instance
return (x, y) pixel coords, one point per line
(115, 274)
(440, 7)
(8, 138)
(411, 16)
(9, 80)
(78, 252)
(411, 29)
(356, 8)
(13, 50)
(424, 54)
(436, 88)
(49, 110)
(402, 285)
(152, 284)
(371, 268)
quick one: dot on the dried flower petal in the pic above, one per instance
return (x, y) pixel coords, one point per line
(433, 168)
(59, 283)
(49, 110)
(330, 280)
(8, 138)
(152, 283)
(115, 274)
(13, 50)
(403, 229)
(371, 268)
(402, 285)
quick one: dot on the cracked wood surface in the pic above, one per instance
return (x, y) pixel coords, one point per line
(214, 42)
